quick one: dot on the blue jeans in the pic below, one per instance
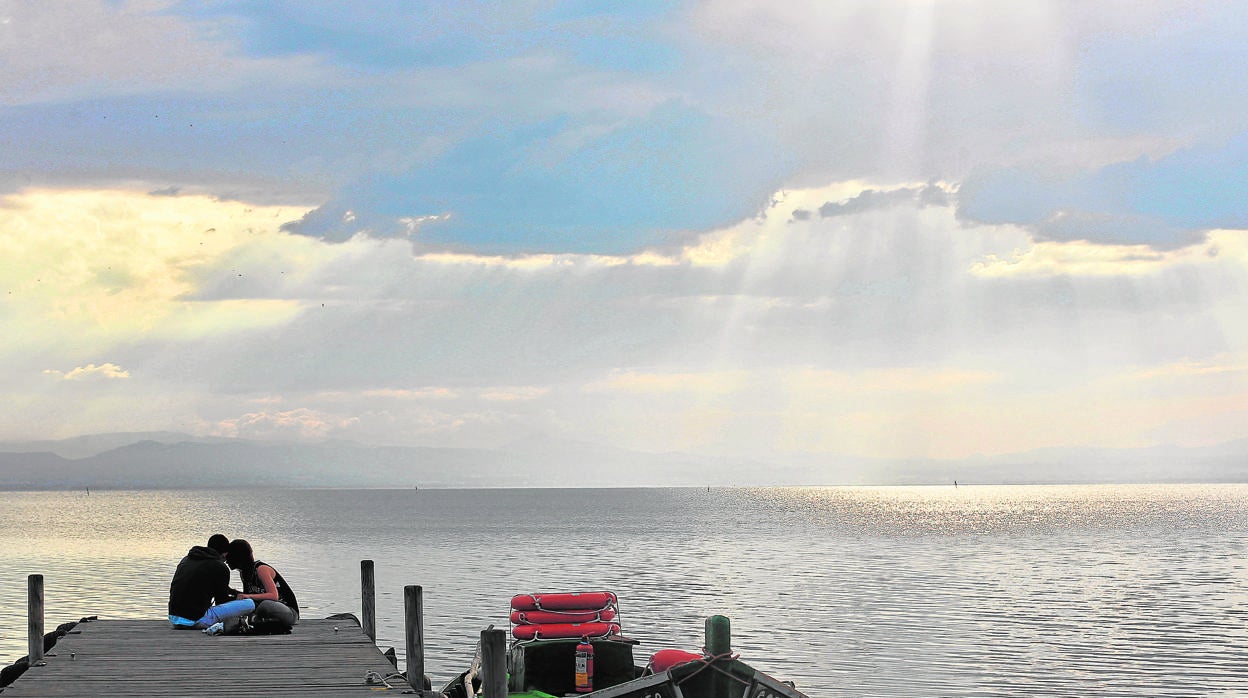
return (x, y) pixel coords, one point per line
(216, 614)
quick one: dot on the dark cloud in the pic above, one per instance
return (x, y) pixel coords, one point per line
(1109, 229)
(1166, 203)
(333, 223)
(873, 199)
(932, 195)
(171, 190)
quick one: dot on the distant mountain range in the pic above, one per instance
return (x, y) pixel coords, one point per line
(171, 460)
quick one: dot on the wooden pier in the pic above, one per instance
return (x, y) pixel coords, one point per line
(150, 658)
(326, 657)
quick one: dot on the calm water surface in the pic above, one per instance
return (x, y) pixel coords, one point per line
(890, 591)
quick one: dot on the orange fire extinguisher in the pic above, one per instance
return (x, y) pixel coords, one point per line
(584, 666)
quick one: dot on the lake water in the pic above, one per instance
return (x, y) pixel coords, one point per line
(888, 591)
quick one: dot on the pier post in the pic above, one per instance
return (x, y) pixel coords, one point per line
(368, 599)
(34, 615)
(414, 626)
(719, 644)
(494, 663)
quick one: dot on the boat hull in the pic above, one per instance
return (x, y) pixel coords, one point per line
(725, 678)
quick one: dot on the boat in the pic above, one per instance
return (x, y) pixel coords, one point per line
(572, 644)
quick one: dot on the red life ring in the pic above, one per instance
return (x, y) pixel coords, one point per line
(538, 617)
(575, 601)
(663, 660)
(555, 631)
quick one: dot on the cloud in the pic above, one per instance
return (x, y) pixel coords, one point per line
(1087, 259)
(91, 372)
(930, 195)
(95, 48)
(610, 132)
(872, 287)
(1213, 366)
(768, 335)
(120, 266)
(1198, 55)
(298, 423)
(513, 393)
(649, 383)
(437, 393)
(1165, 203)
(1110, 229)
(464, 225)
(890, 382)
(905, 90)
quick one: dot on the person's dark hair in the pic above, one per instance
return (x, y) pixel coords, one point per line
(239, 556)
(219, 543)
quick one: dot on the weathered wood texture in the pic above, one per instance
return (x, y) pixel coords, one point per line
(494, 663)
(34, 616)
(414, 630)
(148, 658)
(368, 599)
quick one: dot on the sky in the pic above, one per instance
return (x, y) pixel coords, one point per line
(878, 229)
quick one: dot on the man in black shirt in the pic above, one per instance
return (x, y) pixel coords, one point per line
(200, 593)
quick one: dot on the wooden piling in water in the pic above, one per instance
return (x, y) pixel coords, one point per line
(719, 644)
(368, 600)
(414, 626)
(494, 663)
(34, 618)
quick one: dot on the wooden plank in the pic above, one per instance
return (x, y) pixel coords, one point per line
(149, 658)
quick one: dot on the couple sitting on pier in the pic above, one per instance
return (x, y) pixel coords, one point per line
(200, 595)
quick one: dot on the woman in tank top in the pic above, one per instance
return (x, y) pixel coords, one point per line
(277, 609)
